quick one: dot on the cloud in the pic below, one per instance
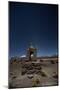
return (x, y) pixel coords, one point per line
(23, 56)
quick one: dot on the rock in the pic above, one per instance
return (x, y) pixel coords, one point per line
(55, 76)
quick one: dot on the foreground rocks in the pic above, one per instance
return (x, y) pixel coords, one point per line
(32, 74)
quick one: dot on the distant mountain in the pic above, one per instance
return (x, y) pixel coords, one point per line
(15, 58)
(23, 57)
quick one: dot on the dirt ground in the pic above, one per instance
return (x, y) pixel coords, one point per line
(33, 75)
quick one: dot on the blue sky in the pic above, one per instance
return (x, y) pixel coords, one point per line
(36, 23)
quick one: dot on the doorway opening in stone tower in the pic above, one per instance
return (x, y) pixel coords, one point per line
(31, 54)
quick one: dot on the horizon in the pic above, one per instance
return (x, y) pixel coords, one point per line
(36, 57)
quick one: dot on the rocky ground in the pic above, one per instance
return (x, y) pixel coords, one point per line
(31, 74)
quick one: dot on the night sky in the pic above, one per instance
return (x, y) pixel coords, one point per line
(36, 23)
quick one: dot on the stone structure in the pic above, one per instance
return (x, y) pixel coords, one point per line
(32, 53)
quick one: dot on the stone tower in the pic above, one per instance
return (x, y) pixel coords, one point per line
(31, 53)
